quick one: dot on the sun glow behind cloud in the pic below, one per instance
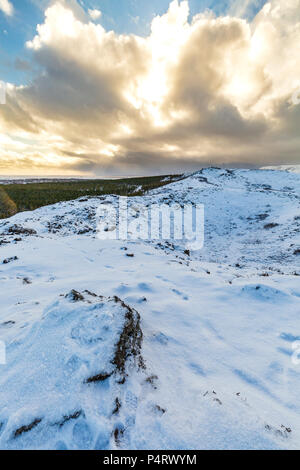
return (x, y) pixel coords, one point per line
(209, 90)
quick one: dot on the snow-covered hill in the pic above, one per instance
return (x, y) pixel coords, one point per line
(145, 345)
(291, 168)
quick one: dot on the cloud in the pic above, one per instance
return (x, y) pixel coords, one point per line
(209, 91)
(6, 7)
(95, 14)
(22, 65)
(242, 8)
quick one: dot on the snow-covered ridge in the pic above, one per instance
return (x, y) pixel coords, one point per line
(141, 344)
(291, 168)
(252, 216)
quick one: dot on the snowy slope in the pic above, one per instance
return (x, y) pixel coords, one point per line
(163, 349)
(291, 168)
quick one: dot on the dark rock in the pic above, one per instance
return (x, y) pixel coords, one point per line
(130, 342)
(67, 418)
(117, 406)
(74, 296)
(98, 378)
(269, 226)
(9, 260)
(160, 410)
(19, 230)
(27, 428)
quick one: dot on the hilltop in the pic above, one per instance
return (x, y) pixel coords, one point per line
(144, 344)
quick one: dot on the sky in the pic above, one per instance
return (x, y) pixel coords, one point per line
(129, 87)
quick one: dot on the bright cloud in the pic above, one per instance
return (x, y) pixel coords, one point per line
(6, 7)
(95, 14)
(213, 90)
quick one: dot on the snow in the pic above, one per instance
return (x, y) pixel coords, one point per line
(215, 368)
(292, 168)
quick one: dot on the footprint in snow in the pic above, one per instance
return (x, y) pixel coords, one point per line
(60, 445)
(123, 289)
(7, 324)
(131, 404)
(289, 337)
(180, 294)
(286, 352)
(275, 371)
(213, 396)
(144, 287)
(197, 369)
(161, 338)
(253, 381)
(264, 293)
(162, 279)
(102, 442)
(137, 300)
(131, 401)
(82, 435)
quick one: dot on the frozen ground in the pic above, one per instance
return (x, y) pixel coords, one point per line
(164, 349)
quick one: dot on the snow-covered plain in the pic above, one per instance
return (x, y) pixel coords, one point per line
(166, 349)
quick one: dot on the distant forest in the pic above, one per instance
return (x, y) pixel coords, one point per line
(25, 197)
